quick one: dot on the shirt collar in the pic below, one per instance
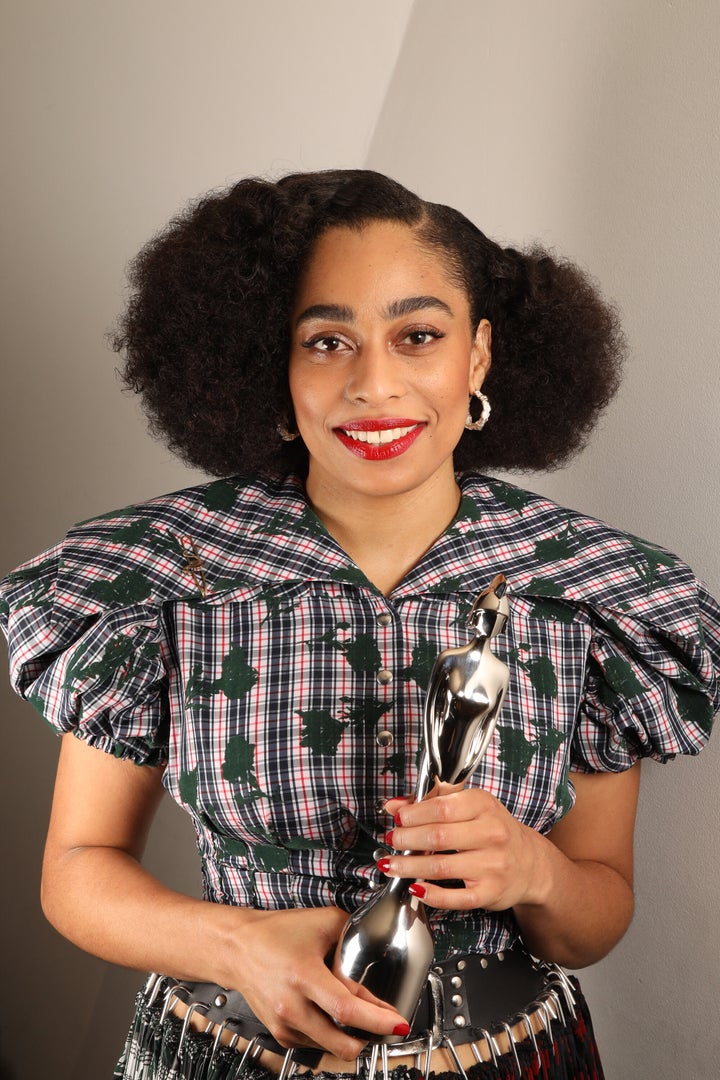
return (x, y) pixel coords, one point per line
(262, 534)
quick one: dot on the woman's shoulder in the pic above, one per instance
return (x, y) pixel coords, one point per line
(552, 551)
(153, 551)
(528, 513)
(217, 504)
(653, 667)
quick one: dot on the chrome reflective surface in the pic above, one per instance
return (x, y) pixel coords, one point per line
(387, 944)
(387, 947)
(466, 691)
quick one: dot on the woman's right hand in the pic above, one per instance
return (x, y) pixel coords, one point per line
(97, 893)
(276, 959)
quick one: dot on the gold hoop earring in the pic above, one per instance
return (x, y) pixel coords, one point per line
(485, 409)
(284, 433)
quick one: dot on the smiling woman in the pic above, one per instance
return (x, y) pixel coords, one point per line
(384, 379)
(214, 292)
(260, 646)
(394, 361)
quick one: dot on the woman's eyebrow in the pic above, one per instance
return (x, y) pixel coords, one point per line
(395, 310)
(398, 308)
(326, 311)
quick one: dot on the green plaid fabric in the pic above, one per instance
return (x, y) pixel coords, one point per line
(264, 698)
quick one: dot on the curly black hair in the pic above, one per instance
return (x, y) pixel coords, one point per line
(206, 330)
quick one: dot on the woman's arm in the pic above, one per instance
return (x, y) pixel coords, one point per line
(571, 892)
(96, 893)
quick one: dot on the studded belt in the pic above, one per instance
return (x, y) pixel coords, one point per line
(490, 1003)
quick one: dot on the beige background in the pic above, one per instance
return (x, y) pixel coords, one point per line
(591, 126)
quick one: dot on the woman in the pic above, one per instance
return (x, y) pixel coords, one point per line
(260, 647)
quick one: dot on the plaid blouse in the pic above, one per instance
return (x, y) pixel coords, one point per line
(223, 633)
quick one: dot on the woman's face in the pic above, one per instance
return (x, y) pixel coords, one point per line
(383, 358)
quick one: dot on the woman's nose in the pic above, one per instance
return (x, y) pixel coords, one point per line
(375, 376)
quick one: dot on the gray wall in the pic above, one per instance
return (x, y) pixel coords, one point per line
(115, 114)
(590, 126)
(594, 127)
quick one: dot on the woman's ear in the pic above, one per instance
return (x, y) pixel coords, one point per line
(480, 355)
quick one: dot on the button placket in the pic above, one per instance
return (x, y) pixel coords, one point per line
(389, 632)
(384, 677)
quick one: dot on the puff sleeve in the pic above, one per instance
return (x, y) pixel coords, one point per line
(652, 681)
(90, 662)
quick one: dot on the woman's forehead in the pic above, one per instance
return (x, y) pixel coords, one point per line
(385, 259)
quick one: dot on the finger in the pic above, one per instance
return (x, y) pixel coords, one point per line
(393, 806)
(432, 866)
(464, 805)
(467, 899)
(473, 835)
(397, 807)
(313, 1028)
(354, 1007)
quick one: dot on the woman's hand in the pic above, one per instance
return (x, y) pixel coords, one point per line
(466, 836)
(570, 891)
(278, 963)
(96, 893)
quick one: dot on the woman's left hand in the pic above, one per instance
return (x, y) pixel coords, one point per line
(570, 891)
(467, 836)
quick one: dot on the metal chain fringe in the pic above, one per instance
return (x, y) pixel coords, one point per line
(161, 1047)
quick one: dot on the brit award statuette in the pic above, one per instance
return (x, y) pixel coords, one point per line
(387, 944)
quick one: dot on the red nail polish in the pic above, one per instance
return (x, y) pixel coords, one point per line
(397, 820)
(401, 1029)
(417, 890)
(389, 838)
(383, 865)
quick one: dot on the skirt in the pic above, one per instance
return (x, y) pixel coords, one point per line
(157, 1049)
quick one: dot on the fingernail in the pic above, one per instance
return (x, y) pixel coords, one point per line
(397, 820)
(383, 865)
(389, 838)
(401, 1029)
(417, 890)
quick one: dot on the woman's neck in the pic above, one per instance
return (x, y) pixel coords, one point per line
(387, 535)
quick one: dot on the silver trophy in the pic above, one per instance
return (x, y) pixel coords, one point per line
(387, 945)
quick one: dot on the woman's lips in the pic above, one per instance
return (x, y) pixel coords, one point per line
(378, 440)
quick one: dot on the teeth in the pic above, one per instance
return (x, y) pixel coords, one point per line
(380, 438)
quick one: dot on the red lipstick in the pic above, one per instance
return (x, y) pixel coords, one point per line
(374, 451)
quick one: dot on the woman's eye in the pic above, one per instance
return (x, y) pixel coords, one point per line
(323, 344)
(422, 337)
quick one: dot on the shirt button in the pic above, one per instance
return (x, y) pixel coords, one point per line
(384, 676)
(384, 738)
(385, 619)
(380, 806)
